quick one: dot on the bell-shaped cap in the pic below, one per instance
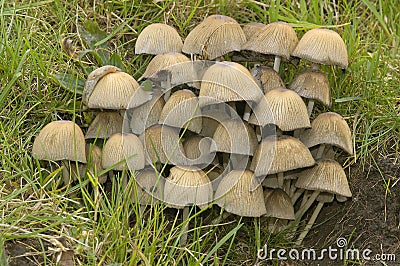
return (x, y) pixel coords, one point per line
(234, 194)
(268, 77)
(121, 150)
(277, 155)
(281, 107)
(328, 128)
(217, 35)
(198, 150)
(60, 140)
(149, 187)
(94, 166)
(326, 176)
(182, 110)
(104, 125)
(322, 46)
(252, 29)
(187, 186)
(279, 205)
(158, 38)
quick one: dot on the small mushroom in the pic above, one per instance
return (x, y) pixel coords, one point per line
(149, 187)
(104, 125)
(269, 79)
(60, 141)
(279, 208)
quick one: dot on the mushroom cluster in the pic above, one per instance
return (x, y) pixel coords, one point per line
(201, 128)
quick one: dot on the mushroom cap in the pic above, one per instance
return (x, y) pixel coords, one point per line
(104, 125)
(125, 148)
(175, 68)
(150, 187)
(113, 91)
(235, 136)
(277, 155)
(198, 150)
(281, 107)
(158, 38)
(322, 46)
(325, 197)
(277, 38)
(329, 128)
(279, 205)
(235, 196)
(312, 84)
(211, 119)
(252, 29)
(186, 186)
(182, 110)
(215, 36)
(326, 176)
(163, 144)
(146, 115)
(228, 81)
(268, 78)
(60, 140)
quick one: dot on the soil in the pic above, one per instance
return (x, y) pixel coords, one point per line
(370, 220)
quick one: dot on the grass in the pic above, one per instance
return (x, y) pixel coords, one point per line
(52, 220)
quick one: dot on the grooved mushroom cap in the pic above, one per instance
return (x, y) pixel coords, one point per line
(150, 187)
(322, 46)
(211, 119)
(329, 128)
(326, 176)
(228, 81)
(268, 78)
(277, 155)
(312, 84)
(281, 107)
(279, 205)
(104, 125)
(215, 36)
(235, 196)
(146, 114)
(93, 155)
(198, 150)
(252, 29)
(113, 91)
(186, 186)
(235, 136)
(158, 38)
(182, 110)
(60, 140)
(162, 144)
(277, 38)
(125, 149)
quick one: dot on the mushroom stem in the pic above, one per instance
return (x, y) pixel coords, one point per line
(185, 215)
(287, 186)
(320, 151)
(65, 172)
(124, 178)
(310, 107)
(232, 110)
(277, 63)
(247, 111)
(310, 223)
(168, 88)
(296, 195)
(280, 179)
(303, 209)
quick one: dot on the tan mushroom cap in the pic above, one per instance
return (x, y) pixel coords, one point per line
(125, 149)
(60, 140)
(277, 38)
(268, 77)
(322, 46)
(163, 61)
(163, 144)
(281, 107)
(325, 197)
(186, 186)
(235, 136)
(182, 110)
(217, 35)
(113, 91)
(326, 176)
(252, 29)
(235, 196)
(279, 205)
(198, 150)
(146, 115)
(277, 155)
(93, 156)
(150, 187)
(312, 84)
(211, 119)
(158, 38)
(228, 81)
(329, 128)
(104, 125)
